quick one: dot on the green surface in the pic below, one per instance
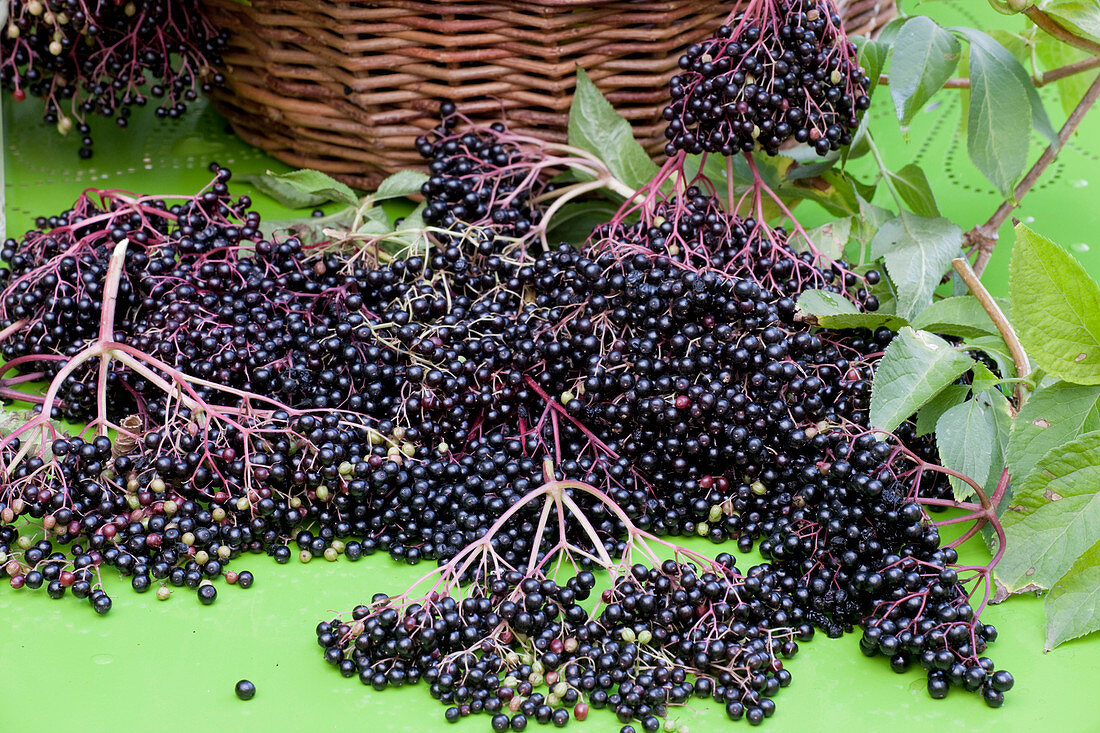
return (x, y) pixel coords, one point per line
(171, 666)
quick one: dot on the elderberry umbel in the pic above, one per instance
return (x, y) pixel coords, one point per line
(780, 70)
(104, 57)
(521, 649)
(481, 185)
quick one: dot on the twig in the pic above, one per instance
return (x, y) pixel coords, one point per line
(984, 236)
(1019, 356)
(1047, 77)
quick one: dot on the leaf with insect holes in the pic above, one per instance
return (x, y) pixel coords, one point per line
(915, 367)
(1054, 516)
(304, 188)
(925, 56)
(1055, 308)
(917, 251)
(1004, 106)
(400, 185)
(595, 126)
(1073, 604)
(1052, 416)
(831, 310)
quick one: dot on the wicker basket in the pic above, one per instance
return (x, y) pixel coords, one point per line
(347, 87)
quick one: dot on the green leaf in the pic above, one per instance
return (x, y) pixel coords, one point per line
(840, 197)
(912, 186)
(1052, 54)
(595, 126)
(410, 239)
(961, 315)
(1002, 419)
(986, 45)
(925, 55)
(916, 366)
(1082, 16)
(374, 222)
(400, 185)
(1053, 416)
(982, 379)
(1015, 44)
(964, 434)
(830, 310)
(575, 221)
(831, 238)
(872, 57)
(929, 415)
(995, 348)
(309, 229)
(1054, 516)
(1055, 308)
(1073, 604)
(303, 188)
(889, 32)
(999, 114)
(917, 251)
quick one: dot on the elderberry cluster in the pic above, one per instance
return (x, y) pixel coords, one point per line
(777, 72)
(105, 57)
(871, 558)
(524, 649)
(477, 180)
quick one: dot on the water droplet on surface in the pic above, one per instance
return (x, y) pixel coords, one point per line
(1079, 247)
(103, 659)
(1080, 183)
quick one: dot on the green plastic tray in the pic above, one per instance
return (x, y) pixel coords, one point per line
(172, 666)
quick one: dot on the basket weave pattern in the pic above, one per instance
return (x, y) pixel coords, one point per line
(347, 87)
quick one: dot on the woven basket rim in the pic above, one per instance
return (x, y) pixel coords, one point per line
(347, 87)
